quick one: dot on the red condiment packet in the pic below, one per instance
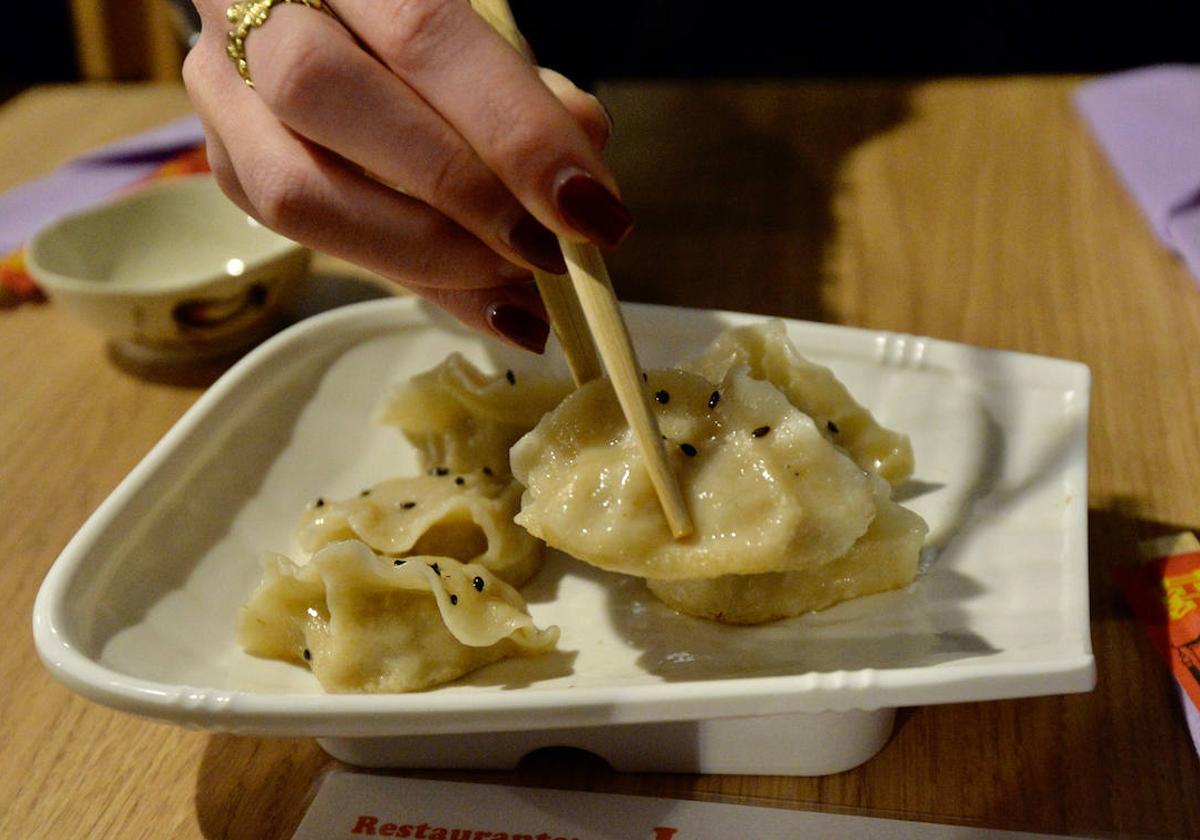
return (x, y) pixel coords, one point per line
(1164, 593)
(15, 282)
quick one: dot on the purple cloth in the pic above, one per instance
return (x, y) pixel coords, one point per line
(1192, 715)
(92, 178)
(1148, 122)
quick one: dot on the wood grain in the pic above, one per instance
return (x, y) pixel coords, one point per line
(972, 210)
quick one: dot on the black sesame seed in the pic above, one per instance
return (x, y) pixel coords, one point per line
(366, 492)
(399, 562)
(713, 399)
(477, 583)
(307, 655)
(645, 378)
(319, 502)
(831, 426)
(442, 471)
(761, 431)
(688, 450)
(487, 470)
(435, 568)
(511, 377)
(662, 396)
(408, 505)
(453, 599)
(459, 480)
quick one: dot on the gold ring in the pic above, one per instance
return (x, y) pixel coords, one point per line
(245, 15)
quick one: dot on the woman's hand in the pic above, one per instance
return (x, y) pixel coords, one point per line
(476, 159)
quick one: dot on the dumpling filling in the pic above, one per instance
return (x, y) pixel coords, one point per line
(368, 624)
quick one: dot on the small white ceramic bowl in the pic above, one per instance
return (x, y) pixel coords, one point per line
(172, 271)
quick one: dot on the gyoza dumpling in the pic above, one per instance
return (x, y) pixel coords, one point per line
(468, 517)
(363, 624)
(884, 558)
(768, 354)
(461, 419)
(765, 490)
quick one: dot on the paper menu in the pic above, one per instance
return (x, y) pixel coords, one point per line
(352, 805)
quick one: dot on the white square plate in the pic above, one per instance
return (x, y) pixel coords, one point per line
(138, 612)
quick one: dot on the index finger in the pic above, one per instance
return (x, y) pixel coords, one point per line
(494, 99)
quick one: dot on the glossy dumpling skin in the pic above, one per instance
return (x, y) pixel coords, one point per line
(371, 626)
(462, 419)
(465, 516)
(767, 353)
(884, 558)
(782, 499)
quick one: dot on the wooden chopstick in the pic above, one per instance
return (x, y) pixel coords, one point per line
(570, 325)
(599, 302)
(591, 293)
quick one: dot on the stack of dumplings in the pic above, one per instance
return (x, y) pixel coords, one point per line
(787, 478)
(413, 582)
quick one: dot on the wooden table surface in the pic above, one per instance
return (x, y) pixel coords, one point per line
(972, 210)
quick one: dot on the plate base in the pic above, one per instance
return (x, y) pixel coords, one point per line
(807, 744)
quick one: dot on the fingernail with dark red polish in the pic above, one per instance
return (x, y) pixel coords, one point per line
(586, 205)
(534, 241)
(520, 326)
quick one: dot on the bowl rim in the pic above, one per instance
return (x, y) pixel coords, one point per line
(52, 280)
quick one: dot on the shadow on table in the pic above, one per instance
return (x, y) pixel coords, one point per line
(266, 785)
(732, 187)
(257, 787)
(1094, 749)
(1114, 532)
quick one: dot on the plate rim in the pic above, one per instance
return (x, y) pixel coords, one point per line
(348, 715)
